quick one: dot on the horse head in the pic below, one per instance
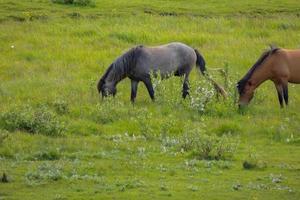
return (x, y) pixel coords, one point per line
(106, 88)
(246, 92)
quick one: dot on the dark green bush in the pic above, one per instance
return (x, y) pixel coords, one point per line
(45, 155)
(75, 2)
(63, 1)
(32, 120)
(249, 164)
(253, 163)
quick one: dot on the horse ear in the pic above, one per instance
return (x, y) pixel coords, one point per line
(273, 46)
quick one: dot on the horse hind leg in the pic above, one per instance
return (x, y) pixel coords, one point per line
(185, 87)
(280, 94)
(286, 94)
(149, 87)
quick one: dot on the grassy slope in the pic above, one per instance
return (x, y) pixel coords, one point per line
(59, 56)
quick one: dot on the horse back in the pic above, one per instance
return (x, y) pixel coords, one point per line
(165, 58)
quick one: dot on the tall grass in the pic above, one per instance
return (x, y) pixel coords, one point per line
(52, 56)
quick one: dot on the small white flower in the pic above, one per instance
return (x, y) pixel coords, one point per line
(133, 137)
(12, 46)
(163, 149)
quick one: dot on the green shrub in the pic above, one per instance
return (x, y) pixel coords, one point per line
(214, 148)
(61, 106)
(3, 136)
(144, 119)
(33, 120)
(108, 111)
(44, 172)
(209, 147)
(167, 91)
(6, 151)
(201, 96)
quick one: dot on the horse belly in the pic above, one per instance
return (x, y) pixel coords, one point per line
(294, 74)
(163, 65)
(294, 68)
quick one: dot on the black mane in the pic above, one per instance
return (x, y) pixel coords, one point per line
(120, 67)
(242, 83)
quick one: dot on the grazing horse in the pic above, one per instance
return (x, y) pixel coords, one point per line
(278, 65)
(139, 62)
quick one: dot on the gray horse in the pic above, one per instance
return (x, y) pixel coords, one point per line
(139, 62)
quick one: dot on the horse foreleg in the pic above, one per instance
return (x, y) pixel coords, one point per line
(286, 94)
(280, 94)
(134, 86)
(149, 87)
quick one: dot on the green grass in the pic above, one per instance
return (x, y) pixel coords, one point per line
(52, 55)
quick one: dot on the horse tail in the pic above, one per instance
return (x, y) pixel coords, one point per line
(200, 63)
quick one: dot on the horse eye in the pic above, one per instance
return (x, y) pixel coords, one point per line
(249, 83)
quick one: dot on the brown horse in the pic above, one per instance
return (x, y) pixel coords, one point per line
(278, 65)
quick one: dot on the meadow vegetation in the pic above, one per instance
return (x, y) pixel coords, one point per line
(60, 140)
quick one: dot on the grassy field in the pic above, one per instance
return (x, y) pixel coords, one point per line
(59, 140)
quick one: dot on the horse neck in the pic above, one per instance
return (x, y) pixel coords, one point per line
(115, 77)
(121, 67)
(261, 74)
